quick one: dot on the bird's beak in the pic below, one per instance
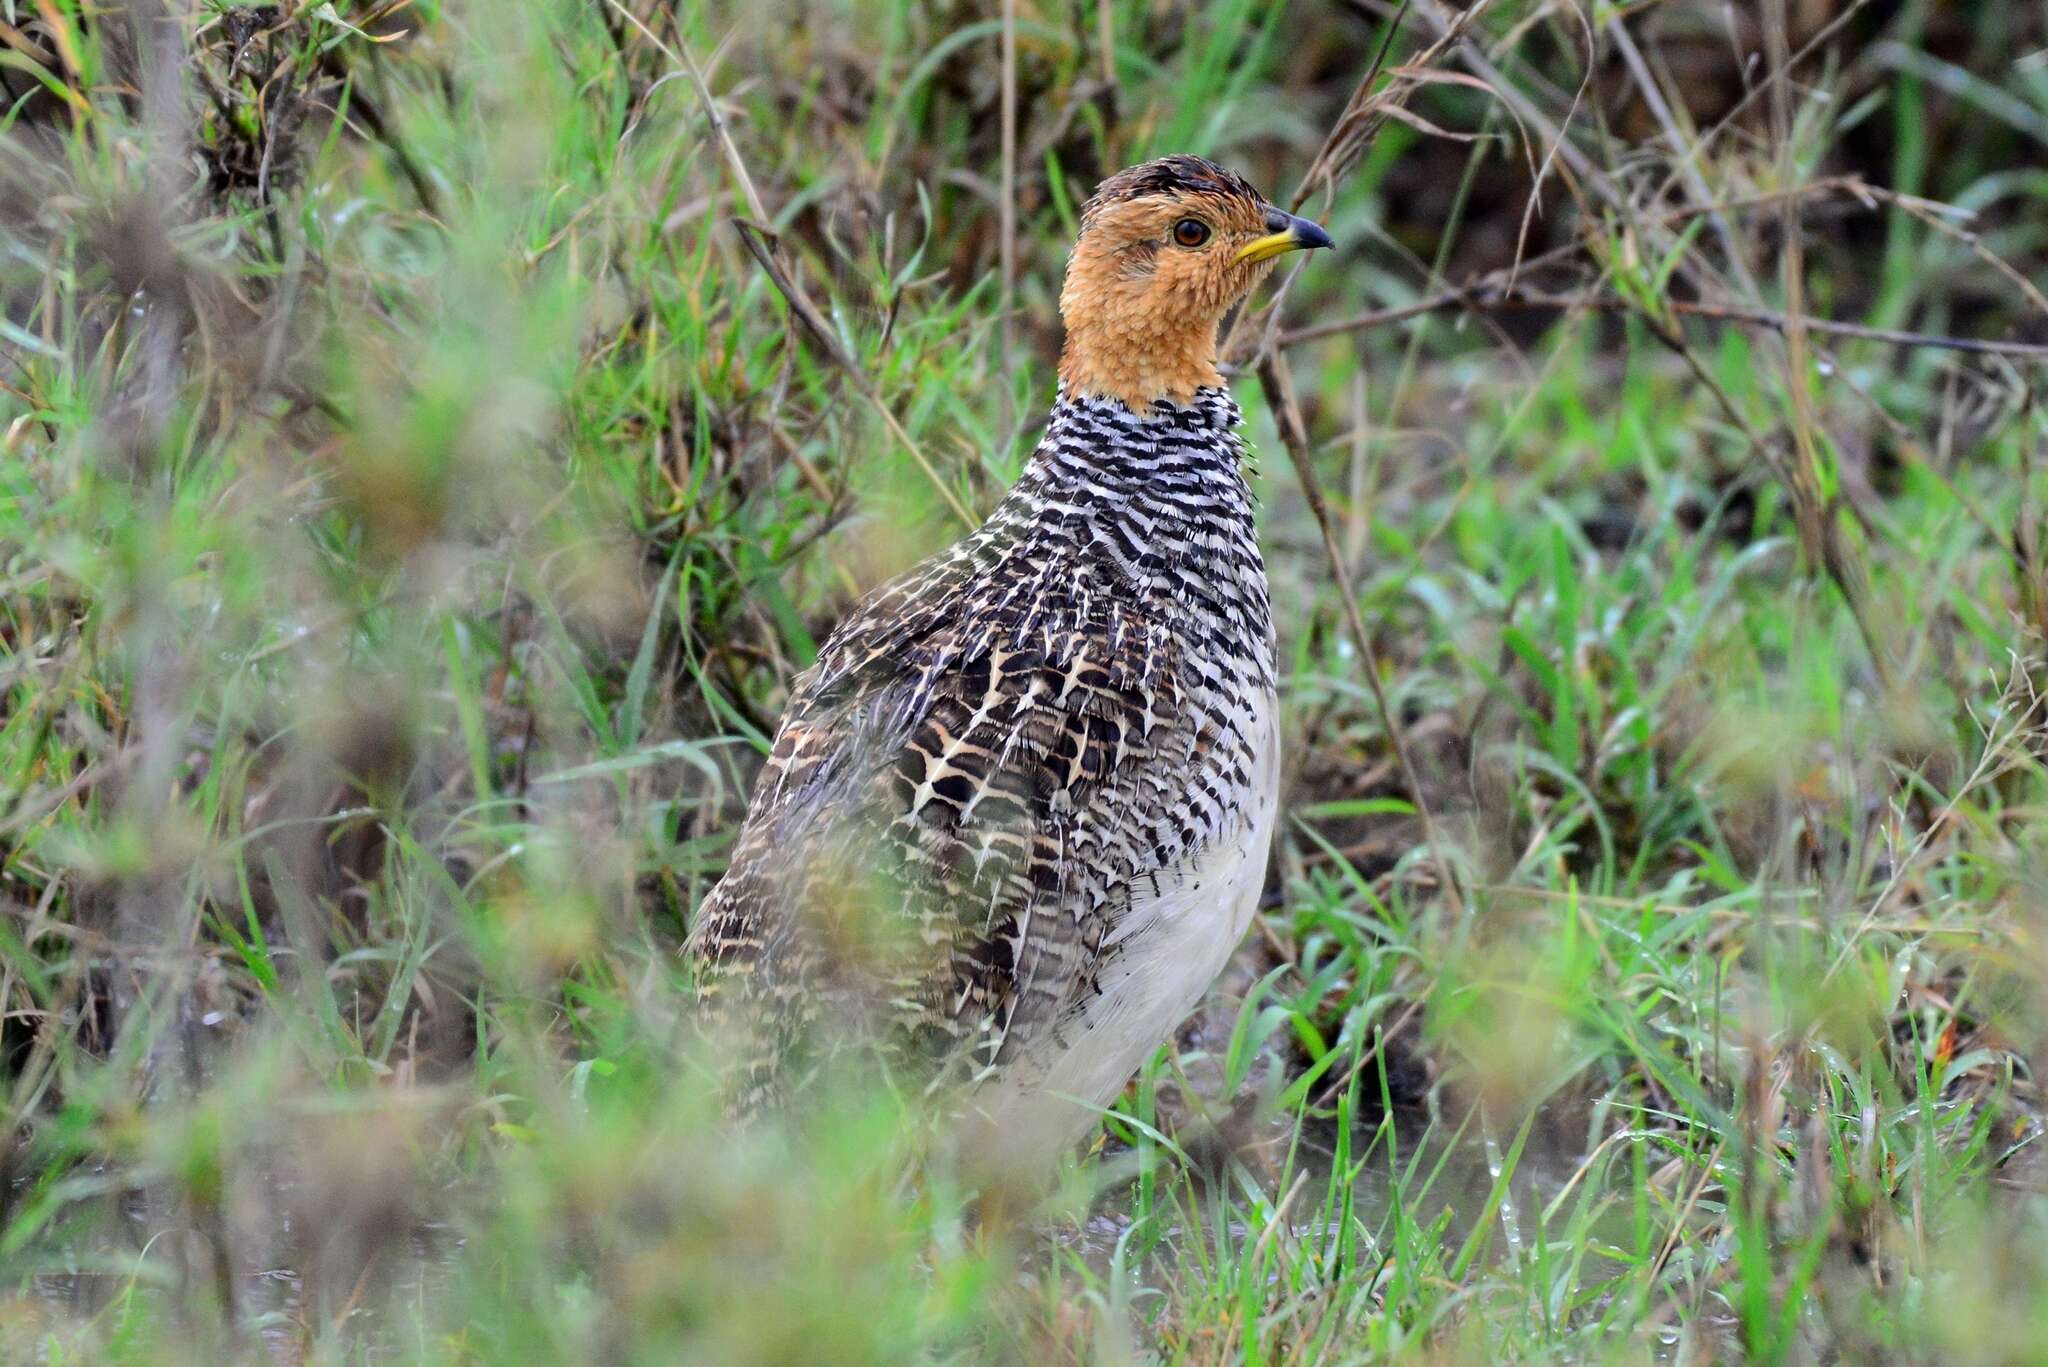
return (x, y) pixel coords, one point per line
(1287, 234)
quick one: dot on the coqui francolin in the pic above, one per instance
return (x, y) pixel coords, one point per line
(1016, 816)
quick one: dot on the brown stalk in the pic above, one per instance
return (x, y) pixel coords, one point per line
(1105, 25)
(1819, 528)
(1007, 211)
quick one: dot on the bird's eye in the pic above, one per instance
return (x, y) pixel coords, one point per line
(1191, 232)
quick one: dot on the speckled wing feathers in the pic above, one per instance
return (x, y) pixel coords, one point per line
(994, 753)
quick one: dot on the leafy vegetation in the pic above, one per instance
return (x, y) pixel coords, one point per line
(418, 488)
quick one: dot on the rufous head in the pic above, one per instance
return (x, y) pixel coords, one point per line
(1166, 249)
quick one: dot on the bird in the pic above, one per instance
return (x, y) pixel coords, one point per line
(1017, 814)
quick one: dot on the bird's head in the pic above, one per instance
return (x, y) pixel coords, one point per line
(1166, 249)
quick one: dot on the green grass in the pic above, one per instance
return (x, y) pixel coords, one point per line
(415, 501)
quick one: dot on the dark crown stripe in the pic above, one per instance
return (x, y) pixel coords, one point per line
(1169, 175)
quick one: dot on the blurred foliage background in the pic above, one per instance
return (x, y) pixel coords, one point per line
(417, 491)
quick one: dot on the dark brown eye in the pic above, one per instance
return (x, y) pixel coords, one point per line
(1191, 232)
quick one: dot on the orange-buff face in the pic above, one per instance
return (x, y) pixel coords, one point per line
(1166, 249)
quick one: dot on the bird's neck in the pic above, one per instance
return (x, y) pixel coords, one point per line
(1136, 368)
(1128, 343)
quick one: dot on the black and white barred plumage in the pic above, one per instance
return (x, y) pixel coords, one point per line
(1016, 815)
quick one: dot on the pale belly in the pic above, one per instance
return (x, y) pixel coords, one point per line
(1169, 949)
